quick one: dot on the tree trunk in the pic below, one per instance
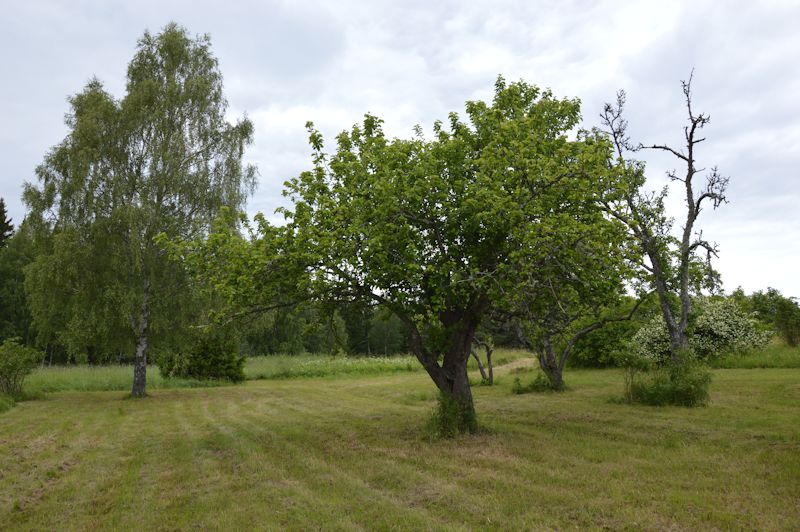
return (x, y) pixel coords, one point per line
(456, 407)
(489, 365)
(477, 358)
(455, 385)
(140, 359)
(487, 373)
(458, 393)
(140, 367)
(550, 366)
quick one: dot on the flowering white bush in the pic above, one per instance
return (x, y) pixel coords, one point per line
(721, 327)
(651, 341)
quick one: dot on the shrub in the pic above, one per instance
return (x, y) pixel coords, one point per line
(212, 354)
(452, 418)
(16, 363)
(651, 342)
(683, 384)
(599, 348)
(540, 384)
(633, 363)
(722, 327)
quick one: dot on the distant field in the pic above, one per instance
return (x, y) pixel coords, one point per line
(351, 452)
(110, 378)
(776, 355)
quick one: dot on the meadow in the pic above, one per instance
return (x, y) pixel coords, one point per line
(351, 450)
(50, 379)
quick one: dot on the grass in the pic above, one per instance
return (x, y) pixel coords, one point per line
(120, 377)
(350, 452)
(6, 402)
(773, 356)
(100, 378)
(305, 366)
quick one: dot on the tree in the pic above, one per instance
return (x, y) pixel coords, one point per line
(163, 159)
(15, 317)
(671, 263)
(487, 373)
(434, 230)
(568, 294)
(6, 228)
(779, 312)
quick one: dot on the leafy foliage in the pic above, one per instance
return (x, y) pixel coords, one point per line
(682, 384)
(6, 227)
(452, 417)
(435, 230)
(651, 341)
(600, 348)
(779, 312)
(603, 347)
(15, 316)
(16, 363)
(719, 327)
(6, 402)
(787, 321)
(633, 364)
(576, 279)
(541, 383)
(212, 355)
(300, 329)
(163, 159)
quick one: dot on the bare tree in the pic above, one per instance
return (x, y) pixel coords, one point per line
(669, 260)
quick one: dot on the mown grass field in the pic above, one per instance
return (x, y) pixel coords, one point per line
(350, 451)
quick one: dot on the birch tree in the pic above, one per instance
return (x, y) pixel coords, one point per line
(161, 160)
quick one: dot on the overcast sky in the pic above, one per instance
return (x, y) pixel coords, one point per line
(412, 62)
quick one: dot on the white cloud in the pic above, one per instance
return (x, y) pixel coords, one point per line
(413, 62)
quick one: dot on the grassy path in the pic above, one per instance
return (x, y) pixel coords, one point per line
(350, 453)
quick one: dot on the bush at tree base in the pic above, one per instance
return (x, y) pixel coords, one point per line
(452, 418)
(212, 354)
(16, 363)
(633, 364)
(538, 385)
(684, 383)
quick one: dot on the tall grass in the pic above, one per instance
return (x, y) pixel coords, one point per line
(772, 356)
(299, 366)
(107, 378)
(6, 403)
(100, 378)
(120, 378)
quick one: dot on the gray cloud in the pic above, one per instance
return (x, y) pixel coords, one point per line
(413, 62)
